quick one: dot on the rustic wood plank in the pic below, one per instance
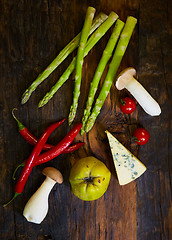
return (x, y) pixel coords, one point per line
(32, 34)
(154, 190)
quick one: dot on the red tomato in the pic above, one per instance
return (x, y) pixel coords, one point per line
(127, 105)
(141, 136)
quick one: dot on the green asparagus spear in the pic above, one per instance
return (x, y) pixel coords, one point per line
(79, 62)
(95, 37)
(113, 67)
(107, 53)
(60, 58)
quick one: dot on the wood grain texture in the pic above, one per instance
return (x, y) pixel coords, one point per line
(154, 191)
(32, 34)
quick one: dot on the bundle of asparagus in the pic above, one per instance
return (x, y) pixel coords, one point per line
(95, 37)
(85, 43)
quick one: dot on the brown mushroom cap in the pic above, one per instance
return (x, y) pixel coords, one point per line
(53, 173)
(124, 77)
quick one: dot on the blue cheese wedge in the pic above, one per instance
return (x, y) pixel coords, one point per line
(127, 166)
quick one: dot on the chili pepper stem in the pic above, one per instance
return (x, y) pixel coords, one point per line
(20, 125)
(15, 195)
(14, 173)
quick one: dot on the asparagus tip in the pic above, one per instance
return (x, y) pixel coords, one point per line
(40, 104)
(25, 97)
(82, 131)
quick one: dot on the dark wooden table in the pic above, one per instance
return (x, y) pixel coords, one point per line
(31, 34)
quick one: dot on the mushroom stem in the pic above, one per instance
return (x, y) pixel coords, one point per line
(126, 79)
(37, 207)
(142, 96)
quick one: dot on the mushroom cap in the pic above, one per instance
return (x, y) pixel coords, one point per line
(53, 173)
(124, 77)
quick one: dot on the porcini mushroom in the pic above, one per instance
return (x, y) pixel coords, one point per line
(36, 208)
(126, 79)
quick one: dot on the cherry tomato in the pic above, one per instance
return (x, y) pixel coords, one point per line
(127, 105)
(141, 136)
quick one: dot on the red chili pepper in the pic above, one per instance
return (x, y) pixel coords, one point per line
(45, 157)
(73, 147)
(34, 155)
(27, 135)
(59, 148)
(31, 160)
(30, 138)
(69, 149)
